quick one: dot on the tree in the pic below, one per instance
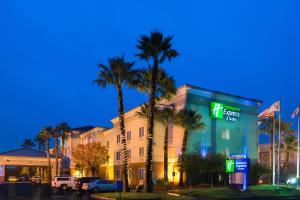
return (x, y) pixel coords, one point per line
(28, 143)
(214, 166)
(41, 142)
(163, 113)
(56, 135)
(188, 120)
(79, 158)
(63, 129)
(289, 145)
(117, 73)
(153, 49)
(267, 126)
(46, 134)
(90, 156)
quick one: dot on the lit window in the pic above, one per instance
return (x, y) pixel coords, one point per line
(129, 154)
(141, 151)
(118, 174)
(129, 135)
(141, 132)
(118, 139)
(226, 134)
(118, 155)
(141, 174)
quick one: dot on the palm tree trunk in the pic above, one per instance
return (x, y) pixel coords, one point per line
(183, 151)
(166, 153)
(49, 163)
(56, 156)
(150, 128)
(123, 140)
(62, 153)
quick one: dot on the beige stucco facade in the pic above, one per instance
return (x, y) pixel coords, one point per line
(136, 137)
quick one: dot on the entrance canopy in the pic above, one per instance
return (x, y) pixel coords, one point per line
(24, 157)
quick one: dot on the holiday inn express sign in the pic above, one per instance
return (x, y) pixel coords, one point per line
(222, 111)
(237, 165)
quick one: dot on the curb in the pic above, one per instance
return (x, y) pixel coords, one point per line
(93, 196)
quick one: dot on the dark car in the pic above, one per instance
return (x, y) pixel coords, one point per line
(80, 181)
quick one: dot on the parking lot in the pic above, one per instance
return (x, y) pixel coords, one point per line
(28, 191)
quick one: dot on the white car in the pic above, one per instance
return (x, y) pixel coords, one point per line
(63, 182)
(100, 186)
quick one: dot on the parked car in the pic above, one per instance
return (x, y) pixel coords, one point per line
(80, 181)
(100, 186)
(36, 179)
(63, 182)
(23, 178)
(12, 179)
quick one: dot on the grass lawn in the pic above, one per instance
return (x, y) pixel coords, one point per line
(260, 192)
(147, 196)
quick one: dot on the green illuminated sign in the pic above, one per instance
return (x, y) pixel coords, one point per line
(222, 111)
(230, 166)
(216, 110)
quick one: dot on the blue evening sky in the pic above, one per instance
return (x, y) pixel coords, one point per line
(49, 51)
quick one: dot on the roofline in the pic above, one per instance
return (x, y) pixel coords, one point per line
(224, 93)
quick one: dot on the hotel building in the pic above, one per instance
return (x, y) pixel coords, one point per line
(230, 128)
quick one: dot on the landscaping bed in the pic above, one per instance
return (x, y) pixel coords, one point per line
(141, 196)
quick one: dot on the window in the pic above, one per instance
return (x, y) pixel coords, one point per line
(129, 135)
(141, 151)
(141, 174)
(107, 144)
(118, 156)
(141, 132)
(118, 139)
(129, 154)
(225, 134)
(118, 174)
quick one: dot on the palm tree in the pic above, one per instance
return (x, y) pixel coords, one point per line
(117, 73)
(63, 128)
(41, 142)
(290, 145)
(188, 120)
(46, 134)
(56, 135)
(165, 115)
(267, 126)
(28, 143)
(154, 49)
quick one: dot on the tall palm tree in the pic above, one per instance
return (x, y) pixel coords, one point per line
(56, 135)
(267, 126)
(154, 49)
(28, 143)
(46, 134)
(117, 73)
(41, 142)
(165, 115)
(63, 128)
(290, 145)
(188, 120)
